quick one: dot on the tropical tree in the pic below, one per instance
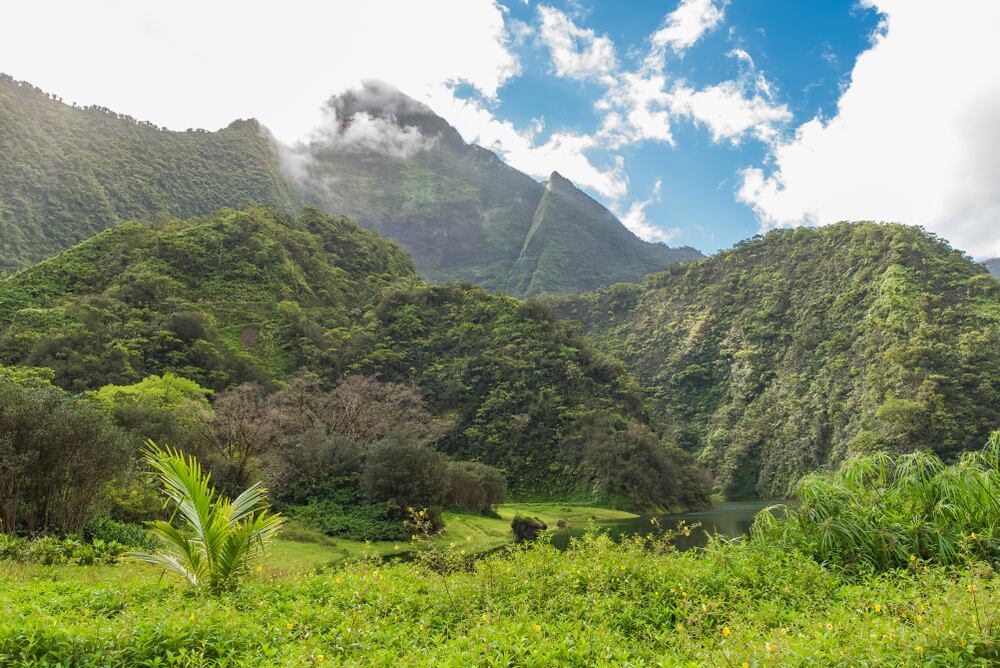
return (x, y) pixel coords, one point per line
(217, 538)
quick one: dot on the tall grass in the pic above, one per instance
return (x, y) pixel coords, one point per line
(887, 511)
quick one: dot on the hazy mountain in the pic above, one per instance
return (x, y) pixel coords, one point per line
(382, 158)
(994, 266)
(782, 355)
(576, 244)
(400, 169)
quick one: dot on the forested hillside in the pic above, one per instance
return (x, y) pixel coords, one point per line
(791, 350)
(69, 172)
(257, 296)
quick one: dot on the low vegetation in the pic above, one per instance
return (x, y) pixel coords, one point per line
(879, 512)
(599, 603)
(770, 600)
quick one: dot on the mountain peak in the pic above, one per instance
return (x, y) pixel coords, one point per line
(379, 100)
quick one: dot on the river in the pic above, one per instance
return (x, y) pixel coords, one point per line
(731, 519)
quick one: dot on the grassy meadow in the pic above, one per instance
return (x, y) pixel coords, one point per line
(599, 603)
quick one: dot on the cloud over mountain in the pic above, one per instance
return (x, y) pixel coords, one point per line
(915, 137)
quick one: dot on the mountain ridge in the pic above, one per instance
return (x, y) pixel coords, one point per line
(382, 158)
(70, 172)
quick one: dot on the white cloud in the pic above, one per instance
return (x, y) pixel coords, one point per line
(915, 138)
(189, 63)
(729, 111)
(640, 107)
(683, 27)
(635, 219)
(637, 110)
(577, 53)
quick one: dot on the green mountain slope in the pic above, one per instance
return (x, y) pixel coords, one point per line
(576, 244)
(257, 295)
(463, 214)
(785, 353)
(994, 266)
(222, 300)
(68, 173)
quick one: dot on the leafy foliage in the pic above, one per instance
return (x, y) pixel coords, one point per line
(218, 538)
(247, 300)
(241, 296)
(885, 512)
(50, 550)
(597, 604)
(56, 453)
(791, 351)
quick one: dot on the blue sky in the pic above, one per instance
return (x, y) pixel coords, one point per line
(805, 51)
(698, 122)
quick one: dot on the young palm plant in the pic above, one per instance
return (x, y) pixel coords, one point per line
(216, 538)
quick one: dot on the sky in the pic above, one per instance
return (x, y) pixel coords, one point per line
(699, 122)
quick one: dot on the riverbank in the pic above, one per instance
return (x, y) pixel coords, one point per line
(301, 548)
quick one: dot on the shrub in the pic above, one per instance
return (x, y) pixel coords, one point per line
(56, 454)
(886, 511)
(11, 547)
(635, 464)
(406, 475)
(108, 530)
(527, 528)
(49, 550)
(475, 487)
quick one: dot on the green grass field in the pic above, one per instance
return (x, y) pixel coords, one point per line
(598, 604)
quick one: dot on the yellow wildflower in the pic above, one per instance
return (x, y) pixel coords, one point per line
(725, 631)
(972, 588)
(538, 627)
(337, 580)
(461, 552)
(746, 665)
(192, 617)
(468, 539)
(290, 625)
(829, 627)
(878, 608)
(259, 569)
(318, 658)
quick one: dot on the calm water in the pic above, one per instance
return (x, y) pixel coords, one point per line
(731, 519)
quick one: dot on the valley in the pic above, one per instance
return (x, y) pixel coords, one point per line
(379, 398)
